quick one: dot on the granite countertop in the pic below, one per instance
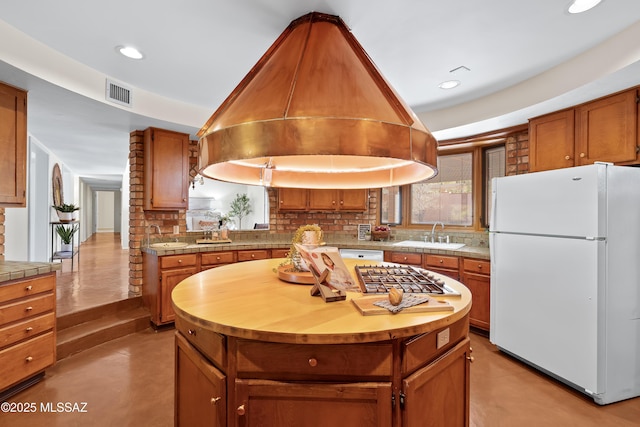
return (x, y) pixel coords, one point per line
(465, 251)
(11, 270)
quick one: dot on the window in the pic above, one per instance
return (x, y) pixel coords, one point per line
(494, 166)
(391, 205)
(448, 197)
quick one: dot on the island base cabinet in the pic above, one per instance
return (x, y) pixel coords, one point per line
(200, 389)
(438, 394)
(274, 403)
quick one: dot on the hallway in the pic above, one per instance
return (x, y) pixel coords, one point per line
(130, 381)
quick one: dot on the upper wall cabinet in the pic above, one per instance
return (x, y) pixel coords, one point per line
(292, 199)
(166, 170)
(13, 146)
(604, 130)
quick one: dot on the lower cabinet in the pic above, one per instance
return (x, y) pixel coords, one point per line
(27, 331)
(476, 276)
(200, 389)
(443, 264)
(416, 381)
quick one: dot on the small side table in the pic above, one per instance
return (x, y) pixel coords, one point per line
(59, 255)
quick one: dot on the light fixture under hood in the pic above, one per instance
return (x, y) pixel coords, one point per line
(315, 112)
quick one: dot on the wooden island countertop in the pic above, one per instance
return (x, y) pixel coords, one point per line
(247, 300)
(252, 350)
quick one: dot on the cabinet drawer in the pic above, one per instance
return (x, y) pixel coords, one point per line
(211, 344)
(442, 261)
(215, 258)
(476, 266)
(279, 253)
(25, 288)
(26, 329)
(406, 258)
(26, 359)
(423, 349)
(290, 361)
(173, 261)
(253, 255)
(25, 308)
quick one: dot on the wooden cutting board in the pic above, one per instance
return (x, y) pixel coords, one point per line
(366, 307)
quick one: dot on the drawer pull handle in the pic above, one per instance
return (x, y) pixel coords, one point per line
(28, 359)
(313, 362)
(29, 329)
(470, 359)
(217, 258)
(179, 261)
(240, 410)
(28, 308)
(253, 255)
(441, 261)
(404, 258)
(479, 266)
(28, 288)
(214, 400)
(192, 332)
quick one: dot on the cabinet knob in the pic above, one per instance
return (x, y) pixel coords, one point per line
(28, 308)
(470, 359)
(28, 288)
(313, 362)
(214, 400)
(192, 332)
(441, 261)
(404, 258)
(479, 266)
(28, 329)
(179, 261)
(253, 255)
(567, 157)
(582, 155)
(28, 359)
(217, 258)
(241, 411)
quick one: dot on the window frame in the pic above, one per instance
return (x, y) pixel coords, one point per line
(477, 145)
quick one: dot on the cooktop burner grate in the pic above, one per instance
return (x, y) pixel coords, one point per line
(379, 279)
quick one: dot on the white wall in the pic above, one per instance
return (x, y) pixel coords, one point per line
(104, 207)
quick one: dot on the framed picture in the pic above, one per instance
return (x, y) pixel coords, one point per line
(56, 183)
(363, 229)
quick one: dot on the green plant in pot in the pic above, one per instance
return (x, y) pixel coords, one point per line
(66, 212)
(66, 233)
(240, 207)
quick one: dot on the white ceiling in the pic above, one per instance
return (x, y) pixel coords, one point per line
(525, 59)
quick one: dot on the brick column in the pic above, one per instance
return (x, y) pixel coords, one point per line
(517, 147)
(136, 214)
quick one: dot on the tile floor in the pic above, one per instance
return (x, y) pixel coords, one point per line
(129, 382)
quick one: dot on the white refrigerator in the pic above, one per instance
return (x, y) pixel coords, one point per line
(565, 275)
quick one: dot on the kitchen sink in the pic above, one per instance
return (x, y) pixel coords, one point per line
(168, 245)
(429, 245)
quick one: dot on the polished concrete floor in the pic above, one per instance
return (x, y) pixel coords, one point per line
(129, 382)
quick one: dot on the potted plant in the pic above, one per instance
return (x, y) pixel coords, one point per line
(66, 233)
(66, 212)
(240, 207)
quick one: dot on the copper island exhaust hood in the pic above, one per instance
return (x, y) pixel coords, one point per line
(315, 112)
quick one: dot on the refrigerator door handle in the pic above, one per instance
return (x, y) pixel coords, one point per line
(494, 202)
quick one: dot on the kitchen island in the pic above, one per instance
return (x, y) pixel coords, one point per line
(254, 350)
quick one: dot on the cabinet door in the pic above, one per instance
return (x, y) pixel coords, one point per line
(168, 280)
(200, 389)
(274, 403)
(438, 394)
(551, 141)
(480, 287)
(606, 129)
(354, 200)
(13, 146)
(292, 199)
(323, 200)
(166, 169)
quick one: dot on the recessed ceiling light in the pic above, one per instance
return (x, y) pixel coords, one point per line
(130, 52)
(579, 6)
(449, 84)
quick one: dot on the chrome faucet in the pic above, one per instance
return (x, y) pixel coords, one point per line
(433, 230)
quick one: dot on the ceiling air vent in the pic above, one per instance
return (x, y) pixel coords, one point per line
(115, 92)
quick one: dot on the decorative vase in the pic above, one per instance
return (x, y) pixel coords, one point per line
(65, 216)
(66, 247)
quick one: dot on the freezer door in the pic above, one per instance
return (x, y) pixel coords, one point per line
(565, 202)
(544, 304)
